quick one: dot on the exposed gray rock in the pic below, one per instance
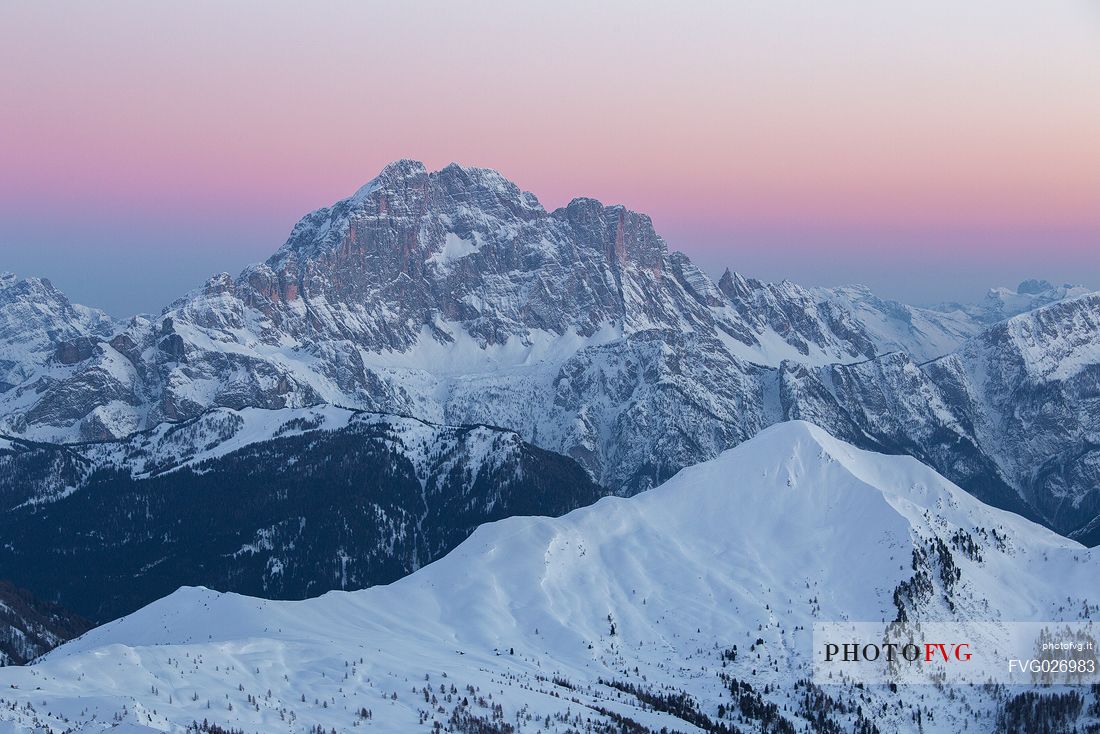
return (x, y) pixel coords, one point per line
(456, 297)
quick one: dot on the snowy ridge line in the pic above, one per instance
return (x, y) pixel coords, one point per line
(656, 607)
(218, 433)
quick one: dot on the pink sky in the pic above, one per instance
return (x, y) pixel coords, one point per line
(814, 140)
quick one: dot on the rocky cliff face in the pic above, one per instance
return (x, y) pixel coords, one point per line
(844, 324)
(1012, 412)
(1031, 386)
(457, 298)
(39, 324)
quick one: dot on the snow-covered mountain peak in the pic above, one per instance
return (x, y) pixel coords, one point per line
(37, 322)
(719, 574)
(453, 296)
(392, 178)
(401, 169)
(1003, 303)
(459, 197)
(821, 506)
(798, 467)
(846, 324)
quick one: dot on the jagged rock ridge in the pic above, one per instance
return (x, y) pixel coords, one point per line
(456, 297)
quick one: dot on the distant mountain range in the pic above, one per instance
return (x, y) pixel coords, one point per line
(455, 297)
(687, 608)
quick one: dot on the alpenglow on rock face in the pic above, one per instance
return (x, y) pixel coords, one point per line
(455, 297)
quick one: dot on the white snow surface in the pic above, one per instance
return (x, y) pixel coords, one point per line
(789, 528)
(455, 247)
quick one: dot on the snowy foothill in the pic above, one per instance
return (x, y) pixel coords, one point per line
(658, 609)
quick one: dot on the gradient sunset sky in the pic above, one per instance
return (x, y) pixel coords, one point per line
(930, 149)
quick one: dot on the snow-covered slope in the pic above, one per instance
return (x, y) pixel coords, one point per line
(710, 581)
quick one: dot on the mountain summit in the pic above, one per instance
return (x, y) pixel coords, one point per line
(455, 297)
(412, 252)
